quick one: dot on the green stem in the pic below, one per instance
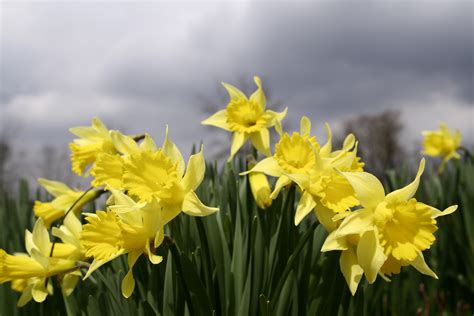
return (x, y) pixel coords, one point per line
(177, 260)
(286, 203)
(207, 256)
(291, 262)
(106, 283)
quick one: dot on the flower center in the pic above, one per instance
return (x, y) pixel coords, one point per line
(246, 116)
(405, 228)
(153, 174)
(295, 154)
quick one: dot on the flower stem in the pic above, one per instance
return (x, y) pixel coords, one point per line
(291, 261)
(177, 260)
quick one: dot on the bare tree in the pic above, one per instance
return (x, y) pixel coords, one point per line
(378, 137)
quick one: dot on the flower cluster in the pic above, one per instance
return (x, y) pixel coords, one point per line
(148, 186)
(377, 234)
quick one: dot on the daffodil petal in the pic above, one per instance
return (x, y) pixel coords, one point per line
(447, 211)
(98, 125)
(90, 132)
(326, 149)
(351, 270)
(420, 264)
(349, 142)
(148, 144)
(170, 211)
(194, 207)
(325, 217)
(128, 282)
(155, 259)
(368, 189)
(39, 292)
(55, 188)
(407, 192)
(370, 255)
(305, 126)
(194, 172)
(25, 297)
(268, 166)
(333, 242)
(234, 93)
(358, 222)
(124, 144)
(305, 206)
(261, 141)
(218, 119)
(238, 140)
(172, 151)
(258, 96)
(29, 244)
(69, 282)
(302, 180)
(282, 182)
(96, 264)
(41, 237)
(276, 118)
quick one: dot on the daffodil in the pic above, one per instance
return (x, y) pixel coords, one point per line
(127, 227)
(247, 118)
(29, 272)
(161, 175)
(64, 198)
(295, 154)
(388, 232)
(92, 141)
(442, 143)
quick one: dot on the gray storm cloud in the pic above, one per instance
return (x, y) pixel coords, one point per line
(141, 66)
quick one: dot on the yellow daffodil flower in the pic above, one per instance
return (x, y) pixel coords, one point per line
(161, 175)
(64, 198)
(442, 143)
(92, 141)
(390, 231)
(247, 118)
(29, 272)
(295, 154)
(126, 228)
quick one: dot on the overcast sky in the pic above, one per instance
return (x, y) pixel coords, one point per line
(139, 66)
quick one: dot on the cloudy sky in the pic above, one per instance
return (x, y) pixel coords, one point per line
(139, 66)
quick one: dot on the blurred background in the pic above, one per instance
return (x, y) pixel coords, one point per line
(385, 70)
